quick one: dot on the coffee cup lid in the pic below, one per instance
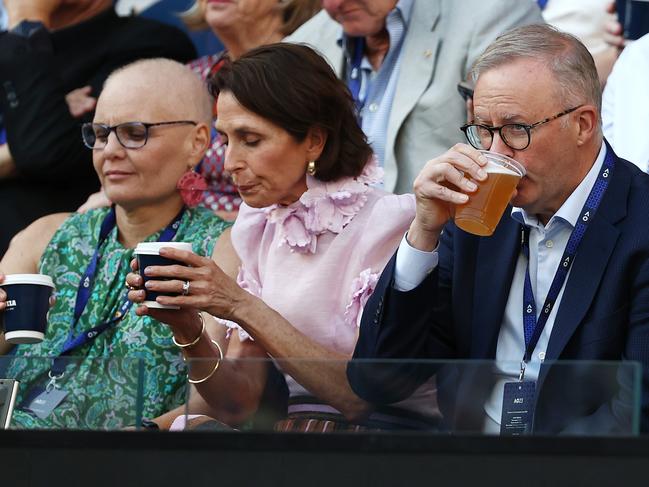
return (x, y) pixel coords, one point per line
(153, 248)
(41, 279)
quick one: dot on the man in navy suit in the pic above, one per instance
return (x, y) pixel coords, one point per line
(565, 276)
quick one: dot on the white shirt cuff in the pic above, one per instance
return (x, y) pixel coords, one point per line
(412, 265)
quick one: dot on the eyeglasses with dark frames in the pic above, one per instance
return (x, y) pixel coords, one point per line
(516, 136)
(131, 135)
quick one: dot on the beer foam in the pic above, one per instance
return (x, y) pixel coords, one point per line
(494, 168)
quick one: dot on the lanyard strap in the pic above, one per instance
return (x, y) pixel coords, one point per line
(532, 327)
(85, 289)
(355, 80)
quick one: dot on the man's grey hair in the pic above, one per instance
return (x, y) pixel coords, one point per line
(567, 58)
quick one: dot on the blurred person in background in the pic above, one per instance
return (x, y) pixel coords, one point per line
(590, 21)
(625, 104)
(53, 47)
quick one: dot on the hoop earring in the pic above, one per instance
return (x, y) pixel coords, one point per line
(191, 186)
(310, 168)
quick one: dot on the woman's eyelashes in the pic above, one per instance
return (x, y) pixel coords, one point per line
(251, 141)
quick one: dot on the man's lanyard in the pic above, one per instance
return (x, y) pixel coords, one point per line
(531, 327)
(85, 290)
(355, 81)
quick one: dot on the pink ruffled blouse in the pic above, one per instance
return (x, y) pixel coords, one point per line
(317, 261)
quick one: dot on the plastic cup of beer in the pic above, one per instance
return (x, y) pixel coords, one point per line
(481, 214)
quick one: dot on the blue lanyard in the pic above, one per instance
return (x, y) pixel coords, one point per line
(531, 327)
(85, 289)
(356, 76)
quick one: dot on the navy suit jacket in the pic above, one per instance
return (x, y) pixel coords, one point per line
(457, 311)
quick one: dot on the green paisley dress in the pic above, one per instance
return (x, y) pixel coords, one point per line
(129, 368)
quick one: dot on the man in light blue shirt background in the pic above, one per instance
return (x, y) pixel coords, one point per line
(404, 77)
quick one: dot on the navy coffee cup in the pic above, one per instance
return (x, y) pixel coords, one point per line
(28, 301)
(148, 254)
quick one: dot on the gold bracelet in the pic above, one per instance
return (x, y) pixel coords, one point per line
(191, 344)
(218, 362)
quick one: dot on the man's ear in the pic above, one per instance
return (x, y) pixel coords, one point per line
(587, 124)
(316, 138)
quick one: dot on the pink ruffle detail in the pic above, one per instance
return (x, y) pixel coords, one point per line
(372, 172)
(293, 232)
(362, 288)
(324, 207)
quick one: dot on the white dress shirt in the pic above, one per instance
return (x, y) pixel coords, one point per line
(547, 244)
(625, 104)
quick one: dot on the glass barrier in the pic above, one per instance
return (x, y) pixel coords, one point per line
(430, 397)
(76, 393)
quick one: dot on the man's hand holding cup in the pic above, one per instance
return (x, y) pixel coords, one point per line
(443, 183)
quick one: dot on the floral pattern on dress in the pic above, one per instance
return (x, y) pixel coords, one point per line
(104, 393)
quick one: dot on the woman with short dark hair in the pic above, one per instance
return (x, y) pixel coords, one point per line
(313, 235)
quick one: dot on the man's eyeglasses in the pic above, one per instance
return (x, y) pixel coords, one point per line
(516, 136)
(131, 135)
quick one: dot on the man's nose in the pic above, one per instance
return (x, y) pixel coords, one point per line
(498, 145)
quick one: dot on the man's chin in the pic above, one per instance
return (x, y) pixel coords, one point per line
(517, 201)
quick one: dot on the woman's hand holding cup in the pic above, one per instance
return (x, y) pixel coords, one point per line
(198, 284)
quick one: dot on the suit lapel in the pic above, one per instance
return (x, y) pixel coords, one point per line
(590, 264)
(492, 284)
(419, 53)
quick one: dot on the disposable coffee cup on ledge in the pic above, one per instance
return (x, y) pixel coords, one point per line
(481, 214)
(28, 300)
(148, 254)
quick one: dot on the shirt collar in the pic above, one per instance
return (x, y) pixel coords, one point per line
(571, 208)
(402, 9)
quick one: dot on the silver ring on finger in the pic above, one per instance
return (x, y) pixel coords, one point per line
(185, 288)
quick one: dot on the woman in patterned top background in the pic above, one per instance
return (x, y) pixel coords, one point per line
(139, 169)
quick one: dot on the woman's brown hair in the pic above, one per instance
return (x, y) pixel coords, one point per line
(293, 87)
